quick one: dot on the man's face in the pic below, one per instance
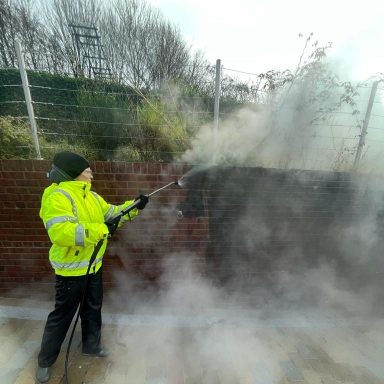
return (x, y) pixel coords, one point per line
(86, 175)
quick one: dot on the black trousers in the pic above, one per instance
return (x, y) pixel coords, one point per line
(69, 291)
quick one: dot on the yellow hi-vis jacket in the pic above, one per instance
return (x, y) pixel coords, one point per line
(74, 218)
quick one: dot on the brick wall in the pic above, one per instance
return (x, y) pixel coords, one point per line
(137, 249)
(270, 229)
(246, 228)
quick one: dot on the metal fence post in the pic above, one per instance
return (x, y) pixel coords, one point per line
(217, 96)
(28, 99)
(365, 125)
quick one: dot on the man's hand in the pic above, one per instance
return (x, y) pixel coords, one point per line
(112, 226)
(143, 201)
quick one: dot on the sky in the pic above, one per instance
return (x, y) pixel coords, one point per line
(259, 35)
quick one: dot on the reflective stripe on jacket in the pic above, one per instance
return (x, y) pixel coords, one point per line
(74, 217)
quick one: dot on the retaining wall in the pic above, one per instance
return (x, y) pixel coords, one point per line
(137, 249)
(260, 231)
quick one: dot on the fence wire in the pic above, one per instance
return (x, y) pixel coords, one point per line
(125, 124)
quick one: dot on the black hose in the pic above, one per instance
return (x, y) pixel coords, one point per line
(116, 219)
(92, 259)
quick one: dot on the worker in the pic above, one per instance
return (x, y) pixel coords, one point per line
(76, 219)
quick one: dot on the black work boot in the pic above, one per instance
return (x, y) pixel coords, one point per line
(98, 352)
(43, 374)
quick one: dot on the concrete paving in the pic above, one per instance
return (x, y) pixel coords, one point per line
(219, 347)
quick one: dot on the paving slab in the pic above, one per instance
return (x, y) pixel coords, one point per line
(214, 348)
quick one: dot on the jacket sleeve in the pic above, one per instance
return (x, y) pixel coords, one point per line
(63, 227)
(110, 210)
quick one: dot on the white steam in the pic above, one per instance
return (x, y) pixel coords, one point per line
(217, 333)
(302, 127)
(196, 330)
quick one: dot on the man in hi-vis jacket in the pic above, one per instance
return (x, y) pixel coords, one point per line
(76, 219)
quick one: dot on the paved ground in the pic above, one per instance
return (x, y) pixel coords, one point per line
(222, 346)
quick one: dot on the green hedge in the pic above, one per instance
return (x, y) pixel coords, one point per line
(110, 119)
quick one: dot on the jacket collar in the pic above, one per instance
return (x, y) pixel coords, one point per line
(77, 185)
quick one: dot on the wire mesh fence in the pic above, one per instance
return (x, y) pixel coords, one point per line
(321, 128)
(107, 121)
(110, 121)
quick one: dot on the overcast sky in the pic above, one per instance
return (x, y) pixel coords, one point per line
(260, 35)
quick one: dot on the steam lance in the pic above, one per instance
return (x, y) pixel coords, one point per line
(115, 220)
(137, 202)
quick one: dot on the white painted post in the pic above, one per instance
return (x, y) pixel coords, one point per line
(217, 96)
(365, 125)
(28, 99)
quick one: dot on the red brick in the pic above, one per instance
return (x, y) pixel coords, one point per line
(140, 168)
(101, 167)
(7, 182)
(9, 174)
(154, 168)
(17, 165)
(119, 167)
(36, 175)
(25, 244)
(41, 165)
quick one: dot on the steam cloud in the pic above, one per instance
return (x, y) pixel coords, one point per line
(219, 332)
(302, 127)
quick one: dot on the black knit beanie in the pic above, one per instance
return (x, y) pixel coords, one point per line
(67, 166)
